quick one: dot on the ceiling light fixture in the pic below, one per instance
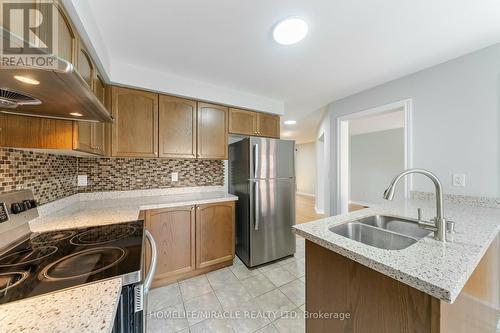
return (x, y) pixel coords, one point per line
(290, 31)
(27, 80)
(76, 114)
(290, 122)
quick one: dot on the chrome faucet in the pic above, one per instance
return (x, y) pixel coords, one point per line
(438, 224)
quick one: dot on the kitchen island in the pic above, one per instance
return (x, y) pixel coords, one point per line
(429, 286)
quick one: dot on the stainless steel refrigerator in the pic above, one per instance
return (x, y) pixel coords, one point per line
(262, 175)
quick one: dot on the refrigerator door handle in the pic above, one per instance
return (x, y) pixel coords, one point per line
(256, 205)
(255, 159)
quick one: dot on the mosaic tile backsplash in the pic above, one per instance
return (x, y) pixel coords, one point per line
(52, 177)
(121, 174)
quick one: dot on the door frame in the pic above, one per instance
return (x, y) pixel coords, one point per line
(321, 175)
(343, 148)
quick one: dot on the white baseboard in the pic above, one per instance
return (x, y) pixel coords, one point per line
(312, 195)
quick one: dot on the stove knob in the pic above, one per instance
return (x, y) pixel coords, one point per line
(27, 204)
(17, 208)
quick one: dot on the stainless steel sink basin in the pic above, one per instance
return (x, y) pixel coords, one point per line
(399, 225)
(384, 232)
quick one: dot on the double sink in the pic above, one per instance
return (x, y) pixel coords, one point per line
(383, 232)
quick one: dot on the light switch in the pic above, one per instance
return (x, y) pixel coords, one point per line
(82, 180)
(175, 176)
(458, 180)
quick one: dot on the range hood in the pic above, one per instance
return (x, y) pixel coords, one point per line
(60, 92)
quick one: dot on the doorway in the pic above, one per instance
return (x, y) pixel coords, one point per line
(373, 146)
(306, 183)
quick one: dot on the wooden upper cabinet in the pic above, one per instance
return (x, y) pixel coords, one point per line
(177, 127)
(242, 122)
(214, 233)
(85, 66)
(253, 123)
(66, 43)
(89, 136)
(99, 88)
(3, 121)
(98, 138)
(82, 136)
(98, 129)
(33, 132)
(268, 125)
(174, 232)
(212, 129)
(135, 130)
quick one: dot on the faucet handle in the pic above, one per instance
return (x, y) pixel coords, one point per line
(450, 226)
(450, 231)
(419, 214)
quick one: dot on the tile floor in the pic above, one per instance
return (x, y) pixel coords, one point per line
(268, 299)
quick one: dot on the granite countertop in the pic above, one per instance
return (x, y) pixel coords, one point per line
(90, 308)
(98, 209)
(436, 268)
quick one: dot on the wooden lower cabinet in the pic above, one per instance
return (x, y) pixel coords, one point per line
(214, 233)
(174, 232)
(378, 303)
(190, 240)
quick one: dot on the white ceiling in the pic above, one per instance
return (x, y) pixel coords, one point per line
(351, 46)
(381, 122)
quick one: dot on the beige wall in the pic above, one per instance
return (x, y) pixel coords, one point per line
(305, 159)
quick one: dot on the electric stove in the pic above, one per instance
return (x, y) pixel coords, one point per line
(55, 260)
(33, 264)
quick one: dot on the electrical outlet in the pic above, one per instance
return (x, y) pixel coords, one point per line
(458, 180)
(82, 180)
(175, 176)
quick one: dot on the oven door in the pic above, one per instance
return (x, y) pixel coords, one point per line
(131, 313)
(129, 318)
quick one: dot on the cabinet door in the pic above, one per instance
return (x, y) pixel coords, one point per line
(99, 88)
(214, 233)
(98, 138)
(3, 122)
(85, 66)
(66, 36)
(98, 129)
(212, 131)
(268, 125)
(82, 136)
(242, 122)
(174, 232)
(135, 130)
(177, 127)
(33, 132)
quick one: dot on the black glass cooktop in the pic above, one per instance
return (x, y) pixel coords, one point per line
(62, 259)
